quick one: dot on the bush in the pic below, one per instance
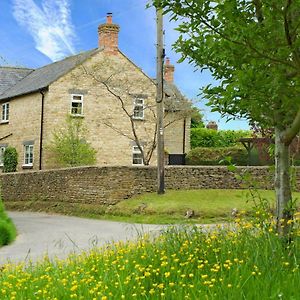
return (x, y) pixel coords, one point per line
(214, 156)
(10, 160)
(7, 227)
(202, 137)
(69, 147)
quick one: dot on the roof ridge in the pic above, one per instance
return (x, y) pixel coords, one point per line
(18, 68)
(66, 58)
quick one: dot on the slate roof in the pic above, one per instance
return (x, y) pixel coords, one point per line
(20, 81)
(9, 76)
(43, 77)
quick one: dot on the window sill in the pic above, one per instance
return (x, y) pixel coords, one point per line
(4, 122)
(27, 167)
(138, 119)
(77, 116)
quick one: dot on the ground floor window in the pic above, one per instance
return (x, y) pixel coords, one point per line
(137, 157)
(28, 155)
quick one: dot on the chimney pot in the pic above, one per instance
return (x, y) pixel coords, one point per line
(109, 18)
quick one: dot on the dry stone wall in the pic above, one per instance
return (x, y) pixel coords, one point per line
(109, 185)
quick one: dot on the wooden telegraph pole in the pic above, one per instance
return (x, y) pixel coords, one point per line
(160, 105)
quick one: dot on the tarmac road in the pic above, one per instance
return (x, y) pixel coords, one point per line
(58, 236)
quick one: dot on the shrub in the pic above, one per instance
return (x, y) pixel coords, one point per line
(10, 160)
(7, 227)
(202, 137)
(69, 147)
(214, 156)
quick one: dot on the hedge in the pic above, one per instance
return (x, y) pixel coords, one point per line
(217, 156)
(7, 227)
(202, 137)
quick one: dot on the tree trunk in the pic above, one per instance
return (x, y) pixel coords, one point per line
(282, 185)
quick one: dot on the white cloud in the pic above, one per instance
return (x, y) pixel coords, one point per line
(50, 26)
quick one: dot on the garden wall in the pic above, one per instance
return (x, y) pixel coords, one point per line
(109, 185)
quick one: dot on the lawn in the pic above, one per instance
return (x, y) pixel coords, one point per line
(208, 206)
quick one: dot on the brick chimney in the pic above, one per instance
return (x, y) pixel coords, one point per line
(108, 35)
(169, 71)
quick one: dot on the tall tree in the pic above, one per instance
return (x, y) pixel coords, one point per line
(252, 48)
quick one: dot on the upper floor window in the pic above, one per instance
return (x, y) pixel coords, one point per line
(137, 157)
(77, 105)
(138, 108)
(2, 150)
(28, 155)
(5, 112)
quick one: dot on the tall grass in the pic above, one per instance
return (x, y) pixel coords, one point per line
(248, 261)
(7, 228)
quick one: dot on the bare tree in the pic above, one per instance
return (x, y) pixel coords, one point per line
(124, 89)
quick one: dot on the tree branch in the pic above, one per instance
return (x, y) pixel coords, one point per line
(293, 130)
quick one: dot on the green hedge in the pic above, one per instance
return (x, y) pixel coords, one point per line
(202, 137)
(216, 156)
(10, 160)
(7, 227)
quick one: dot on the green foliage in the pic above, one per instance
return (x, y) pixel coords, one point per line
(69, 147)
(202, 137)
(249, 47)
(7, 228)
(10, 160)
(217, 156)
(196, 118)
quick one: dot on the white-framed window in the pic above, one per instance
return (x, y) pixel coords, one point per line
(137, 157)
(5, 112)
(2, 150)
(77, 105)
(138, 108)
(28, 155)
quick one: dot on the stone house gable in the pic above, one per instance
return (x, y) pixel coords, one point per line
(105, 87)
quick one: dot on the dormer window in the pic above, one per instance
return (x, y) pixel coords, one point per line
(138, 109)
(77, 105)
(5, 112)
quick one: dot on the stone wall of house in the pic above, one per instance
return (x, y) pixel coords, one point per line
(109, 185)
(109, 129)
(177, 131)
(23, 126)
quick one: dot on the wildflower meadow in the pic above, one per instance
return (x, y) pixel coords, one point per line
(247, 260)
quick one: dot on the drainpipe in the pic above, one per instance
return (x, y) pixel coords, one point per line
(42, 127)
(184, 137)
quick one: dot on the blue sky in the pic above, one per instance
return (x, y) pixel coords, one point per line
(37, 32)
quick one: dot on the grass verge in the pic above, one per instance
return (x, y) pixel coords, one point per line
(209, 206)
(184, 263)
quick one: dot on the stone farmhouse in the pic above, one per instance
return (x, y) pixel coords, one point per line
(114, 98)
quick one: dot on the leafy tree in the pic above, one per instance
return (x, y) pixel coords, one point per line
(196, 118)
(10, 160)
(252, 48)
(69, 148)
